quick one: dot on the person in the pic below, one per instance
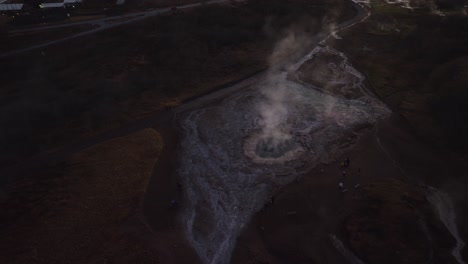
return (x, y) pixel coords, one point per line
(340, 186)
(347, 162)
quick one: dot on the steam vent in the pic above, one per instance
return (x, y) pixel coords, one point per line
(263, 149)
(236, 152)
(274, 148)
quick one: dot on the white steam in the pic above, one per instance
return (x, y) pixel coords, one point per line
(273, 111)
(224, 185)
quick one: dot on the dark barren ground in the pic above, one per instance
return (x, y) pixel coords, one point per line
(421, 73)
(379, 220)
(100, 82)
(110, 203)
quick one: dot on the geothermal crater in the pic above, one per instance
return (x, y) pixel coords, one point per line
(273, 148)
(236, 153)
(270, 149)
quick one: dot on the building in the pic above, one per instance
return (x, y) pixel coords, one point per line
(11, 9)
(8, 7)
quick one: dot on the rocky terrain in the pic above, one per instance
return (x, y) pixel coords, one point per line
(351, 151)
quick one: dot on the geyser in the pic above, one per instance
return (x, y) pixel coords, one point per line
(273, 147)
(238, 151)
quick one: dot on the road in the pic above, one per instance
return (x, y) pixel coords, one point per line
(25, 167)
(102, 23)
